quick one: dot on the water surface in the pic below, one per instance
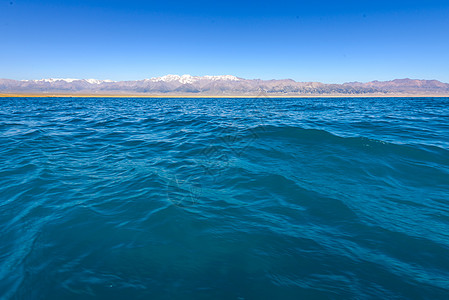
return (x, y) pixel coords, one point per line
(224, 198)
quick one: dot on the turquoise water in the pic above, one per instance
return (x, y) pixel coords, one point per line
(224, 198)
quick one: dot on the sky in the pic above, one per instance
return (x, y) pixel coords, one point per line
(326, 41)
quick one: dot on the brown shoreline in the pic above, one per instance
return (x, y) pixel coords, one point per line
(220, 96)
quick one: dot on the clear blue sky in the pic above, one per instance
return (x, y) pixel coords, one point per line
(327, 41)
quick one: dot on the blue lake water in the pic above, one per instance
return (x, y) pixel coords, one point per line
(116, 198)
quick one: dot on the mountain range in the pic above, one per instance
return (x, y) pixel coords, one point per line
(225, 85)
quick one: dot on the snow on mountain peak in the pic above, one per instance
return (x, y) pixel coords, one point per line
(96, 81)
(184, 79)
(69, 80)
(51, 80)
(169, 78)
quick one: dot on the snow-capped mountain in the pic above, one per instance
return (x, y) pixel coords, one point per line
(219, 86)
(185, 79)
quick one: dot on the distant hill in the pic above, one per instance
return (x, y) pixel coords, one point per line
(226, 85)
